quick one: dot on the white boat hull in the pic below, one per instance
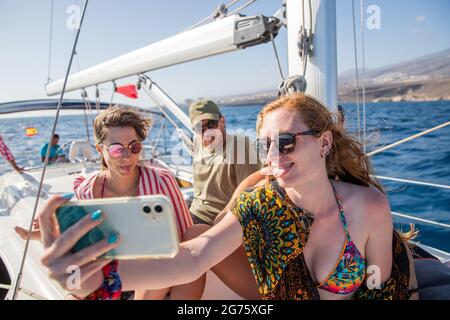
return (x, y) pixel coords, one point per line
(18, 196)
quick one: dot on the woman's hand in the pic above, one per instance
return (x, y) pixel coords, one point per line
(35, 234)
(23, 233)
(61, 261)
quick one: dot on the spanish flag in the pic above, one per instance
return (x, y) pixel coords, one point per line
(30, 131)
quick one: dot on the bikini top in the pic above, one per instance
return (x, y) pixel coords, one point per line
(349, 271)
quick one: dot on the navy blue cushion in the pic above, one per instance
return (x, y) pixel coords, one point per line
(433, 278)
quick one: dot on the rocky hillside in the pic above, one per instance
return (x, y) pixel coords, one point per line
(423, 79)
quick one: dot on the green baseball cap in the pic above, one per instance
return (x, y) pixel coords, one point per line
(203, 109)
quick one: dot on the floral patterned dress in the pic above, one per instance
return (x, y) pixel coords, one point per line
(276, 231)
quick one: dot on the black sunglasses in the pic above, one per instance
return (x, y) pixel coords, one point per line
(210, 124)
(285, 142)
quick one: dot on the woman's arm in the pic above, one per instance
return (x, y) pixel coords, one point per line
(379, 242)
(194, 258)
(15, 166)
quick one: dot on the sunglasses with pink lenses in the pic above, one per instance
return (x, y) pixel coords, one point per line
(117, 150)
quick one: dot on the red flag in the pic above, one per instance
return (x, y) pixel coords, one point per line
(128, 90)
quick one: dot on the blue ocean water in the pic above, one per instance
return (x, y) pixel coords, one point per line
(426, 158)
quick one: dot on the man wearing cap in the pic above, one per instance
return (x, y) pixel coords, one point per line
(221, 161)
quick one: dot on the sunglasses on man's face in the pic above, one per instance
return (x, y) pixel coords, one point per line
(117, 150)
(210, 124)
(285, 142)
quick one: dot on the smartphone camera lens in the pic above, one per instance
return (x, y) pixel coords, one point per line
(147, 209)
(158, 208)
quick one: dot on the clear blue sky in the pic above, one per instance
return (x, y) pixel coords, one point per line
(409, 28)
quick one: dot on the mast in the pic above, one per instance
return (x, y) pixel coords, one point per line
(321, 68)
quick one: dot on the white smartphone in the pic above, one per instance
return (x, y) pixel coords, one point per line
(146, 224)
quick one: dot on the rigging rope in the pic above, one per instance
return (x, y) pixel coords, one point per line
(86, 122)
(87, 103)
(27, 243)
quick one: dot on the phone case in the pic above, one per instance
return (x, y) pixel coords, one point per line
(146, 225)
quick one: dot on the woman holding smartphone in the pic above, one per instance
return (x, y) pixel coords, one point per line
(119, 133)
(321, 229)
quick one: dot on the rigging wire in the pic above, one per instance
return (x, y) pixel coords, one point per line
(86, 122)
(232, 3)
(421, 183)
(364, 120)
(25, 291)
(113, 92)
(356, 71)
(76, 51)
(50, 42)
(27, 243)
(390, 146)
(97, 98)
(280, 70)
(407, 216)
(158, 138)
(305, 60)
(221, 9)
(87, 103)
(363, 80)
(245, 5)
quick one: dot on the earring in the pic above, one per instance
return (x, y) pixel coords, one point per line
(324, 155)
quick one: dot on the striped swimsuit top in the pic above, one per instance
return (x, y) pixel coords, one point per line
(350, 268)
(152, 180)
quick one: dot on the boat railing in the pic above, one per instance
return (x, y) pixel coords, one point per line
(410, 181)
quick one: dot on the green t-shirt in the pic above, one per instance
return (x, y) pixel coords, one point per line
(217, 174)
